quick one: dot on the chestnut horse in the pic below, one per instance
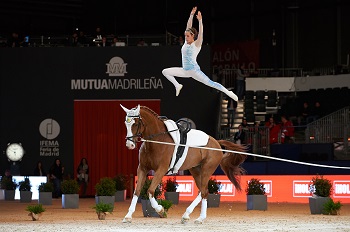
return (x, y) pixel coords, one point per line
(142, 122)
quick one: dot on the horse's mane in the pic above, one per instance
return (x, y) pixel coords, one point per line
(152, 112)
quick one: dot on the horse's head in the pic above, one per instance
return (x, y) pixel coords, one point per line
(133, 125)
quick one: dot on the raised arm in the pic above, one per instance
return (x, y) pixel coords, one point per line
(190, 19)
(199, 40)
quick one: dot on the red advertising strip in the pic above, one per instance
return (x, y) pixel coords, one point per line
(289, 188)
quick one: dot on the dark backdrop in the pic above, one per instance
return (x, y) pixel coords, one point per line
(36, 85)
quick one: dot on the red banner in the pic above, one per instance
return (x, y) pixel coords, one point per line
(232, 55)
(289, 188)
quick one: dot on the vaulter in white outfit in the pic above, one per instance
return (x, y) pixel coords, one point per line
(190, 67)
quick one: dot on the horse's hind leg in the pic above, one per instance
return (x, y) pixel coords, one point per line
(186, 216)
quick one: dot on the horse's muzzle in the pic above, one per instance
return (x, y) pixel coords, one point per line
(130, 144)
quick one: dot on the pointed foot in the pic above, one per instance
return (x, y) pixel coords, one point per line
(178, 89)
(233, 96)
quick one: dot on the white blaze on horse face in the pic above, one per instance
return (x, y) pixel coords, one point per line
(128, 123)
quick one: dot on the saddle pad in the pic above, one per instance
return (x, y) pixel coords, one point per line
(195, 138)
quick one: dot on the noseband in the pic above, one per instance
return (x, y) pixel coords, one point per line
(137, 135)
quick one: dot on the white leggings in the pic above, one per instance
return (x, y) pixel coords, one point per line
(196, 74)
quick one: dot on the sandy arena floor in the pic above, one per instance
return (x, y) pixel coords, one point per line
(229, 217)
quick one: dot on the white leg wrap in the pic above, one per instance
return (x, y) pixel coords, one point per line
(132, 208)
(193, 205)
(203, 214)
(155, 204)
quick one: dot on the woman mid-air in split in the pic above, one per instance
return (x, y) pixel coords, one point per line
(190, 67)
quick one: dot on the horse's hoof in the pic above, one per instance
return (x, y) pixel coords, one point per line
(199, 221)
(162, 213)
(184, 220)
(127, 220)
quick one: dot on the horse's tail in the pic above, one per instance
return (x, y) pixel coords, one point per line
(231, 162)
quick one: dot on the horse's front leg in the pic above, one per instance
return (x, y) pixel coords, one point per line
(141, 180)
(155, 182)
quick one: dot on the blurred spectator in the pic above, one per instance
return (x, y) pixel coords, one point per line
(73, 41)
(82, 40)
(39, 169)
(14, 41)
(305, 112)
(104, 42)
(240, 82)
(180, 40)
(287, 129)
(274, 130)
(231, 111)
(244, 124)
(315, 113)
(142, 43)
(239, 136)
(98, 33)
(115, 41)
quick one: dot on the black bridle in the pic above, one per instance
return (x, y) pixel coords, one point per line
(138, 134)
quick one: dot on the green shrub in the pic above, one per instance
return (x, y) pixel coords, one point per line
(70, 187)
(157, 193)
(213, 186)
(170, 185)
(331, 207)
(8, 183)
(106, 187)
(25, 185)
(103, 207)
(46, 187)
(36, 209)
(121, 182)
(255, 187)
(322, 186)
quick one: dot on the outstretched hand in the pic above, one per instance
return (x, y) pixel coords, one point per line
(193, 11)
(199, 16)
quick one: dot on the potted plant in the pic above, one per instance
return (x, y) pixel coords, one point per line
(24, 190)
(45, 193)
(105, 191)
(147, 209)
(170, 187)
(121, 184)
(70, 194)
(213, 196)
(102, 209)
(331, 207)
(321, 188)
(9, 187)
(256, 198)
(35, 211)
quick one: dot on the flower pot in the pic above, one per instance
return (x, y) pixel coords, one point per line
(213, 200)
(173, 197)
(105, 199)
(34, 216)
(2, 194)
(120, 195)
(45, 198)
(25, 196)
(101, 215)
(9, 195)
(316, 204)
(256, 202)
(70, 201)
(147, 209)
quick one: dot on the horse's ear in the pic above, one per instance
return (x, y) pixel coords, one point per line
(138, 108)
(125, 109)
